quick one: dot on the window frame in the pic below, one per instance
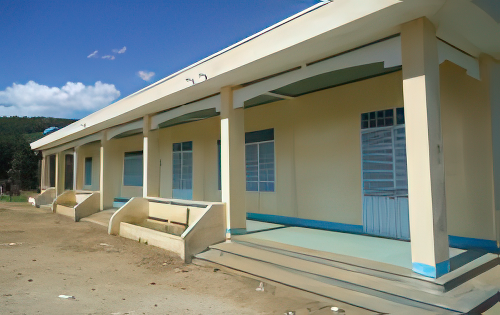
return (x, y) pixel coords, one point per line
(394, 118)
(182, 151)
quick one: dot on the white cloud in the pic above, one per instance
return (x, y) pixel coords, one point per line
(93, 55)
(110, 57)
(120, 51)
(70, 101)
(146, 76)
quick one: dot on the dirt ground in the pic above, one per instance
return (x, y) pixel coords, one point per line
(44, 255)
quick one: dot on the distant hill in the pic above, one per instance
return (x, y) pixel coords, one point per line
(27, 125)
(16, 133)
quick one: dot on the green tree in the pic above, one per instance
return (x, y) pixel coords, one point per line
(24, 165)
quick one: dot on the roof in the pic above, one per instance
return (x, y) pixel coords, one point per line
(323, 30)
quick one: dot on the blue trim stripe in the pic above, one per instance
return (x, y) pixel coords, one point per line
(118, 204)
(473, 243)
(441, 268)
(236, 231)
(455, 241)
(315, 224)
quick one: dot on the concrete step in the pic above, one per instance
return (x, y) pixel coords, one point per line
(397, 292)
(101, 218)
(346, 294)
(377, 269)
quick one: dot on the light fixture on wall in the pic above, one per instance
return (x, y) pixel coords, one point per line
(83, 125)
(203, 75)
(190, 80)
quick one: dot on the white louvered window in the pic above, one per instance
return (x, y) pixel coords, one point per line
(384, 153)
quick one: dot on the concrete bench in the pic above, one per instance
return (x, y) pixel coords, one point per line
(76, 204)
(185, 228)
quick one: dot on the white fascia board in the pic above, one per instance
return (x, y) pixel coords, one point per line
(118, 130)
(73, 144)
(310, 23)
(450, 53)
(387, 51)
(211, 102)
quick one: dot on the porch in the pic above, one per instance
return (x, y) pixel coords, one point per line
(369, 273)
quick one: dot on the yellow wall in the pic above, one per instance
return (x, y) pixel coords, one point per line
(114, 164)
(204, 135)
(88, 150)
(318, 152)
(467, 147)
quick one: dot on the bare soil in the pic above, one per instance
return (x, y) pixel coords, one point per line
(44, 255)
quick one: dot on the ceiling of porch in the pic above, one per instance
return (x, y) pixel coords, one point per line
(190, 117)
(322, 82)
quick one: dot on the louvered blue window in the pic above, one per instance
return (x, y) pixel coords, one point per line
(88, 171)
(133, 169)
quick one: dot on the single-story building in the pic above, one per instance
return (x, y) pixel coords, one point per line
(376, 118)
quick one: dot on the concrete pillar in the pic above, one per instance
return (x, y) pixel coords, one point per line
(426, 186)
(153, 161)
(75, 167)
(233, 172)
(58, 182)
(43, 172)
(105, 175)
(490, 75)
(145, 154)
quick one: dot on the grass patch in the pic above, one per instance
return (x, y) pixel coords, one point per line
(25, 194)
(21, 198)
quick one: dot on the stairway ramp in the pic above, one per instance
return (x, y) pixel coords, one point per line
(361, 290)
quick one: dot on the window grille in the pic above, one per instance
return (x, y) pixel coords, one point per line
(133, 169)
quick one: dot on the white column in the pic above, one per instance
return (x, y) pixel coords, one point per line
(58, 182)
(43, 172)
(75, 167)
(103, 182)
(426, 189)
(145, 154)
(233, 177)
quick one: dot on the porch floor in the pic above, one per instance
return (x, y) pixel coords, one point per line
(387, 251)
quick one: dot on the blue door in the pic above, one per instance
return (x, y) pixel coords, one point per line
(385, 182)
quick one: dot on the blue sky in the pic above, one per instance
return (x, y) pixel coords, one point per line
(46, 62)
